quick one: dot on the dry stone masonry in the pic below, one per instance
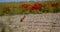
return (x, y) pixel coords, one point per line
(31, 23)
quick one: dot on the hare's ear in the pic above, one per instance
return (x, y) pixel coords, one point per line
(23, 18)
(1, 24)
(3, 29)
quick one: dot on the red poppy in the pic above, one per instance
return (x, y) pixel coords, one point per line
(37, 6)
(7, 9)
(31, 9)
(54, 4)
(25, 6)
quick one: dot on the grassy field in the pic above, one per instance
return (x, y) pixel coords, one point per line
(15, 8)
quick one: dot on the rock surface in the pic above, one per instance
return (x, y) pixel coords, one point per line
(31, 23)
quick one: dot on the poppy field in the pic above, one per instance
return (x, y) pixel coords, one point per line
(18, 8)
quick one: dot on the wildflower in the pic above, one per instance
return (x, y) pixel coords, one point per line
(7, 9)
(37, 6)
(54, 4)
(25, 6)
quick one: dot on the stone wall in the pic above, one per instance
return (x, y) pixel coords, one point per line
(30, 23)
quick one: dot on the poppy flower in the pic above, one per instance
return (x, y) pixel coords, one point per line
(25, 6)
(54, 4)
(37, 6)
(31, 9)
(7, 9)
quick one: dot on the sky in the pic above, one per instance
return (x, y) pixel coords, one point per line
(9, 0)
(12, 0)
(15, 0)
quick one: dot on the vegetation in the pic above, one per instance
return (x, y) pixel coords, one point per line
(13, 8)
